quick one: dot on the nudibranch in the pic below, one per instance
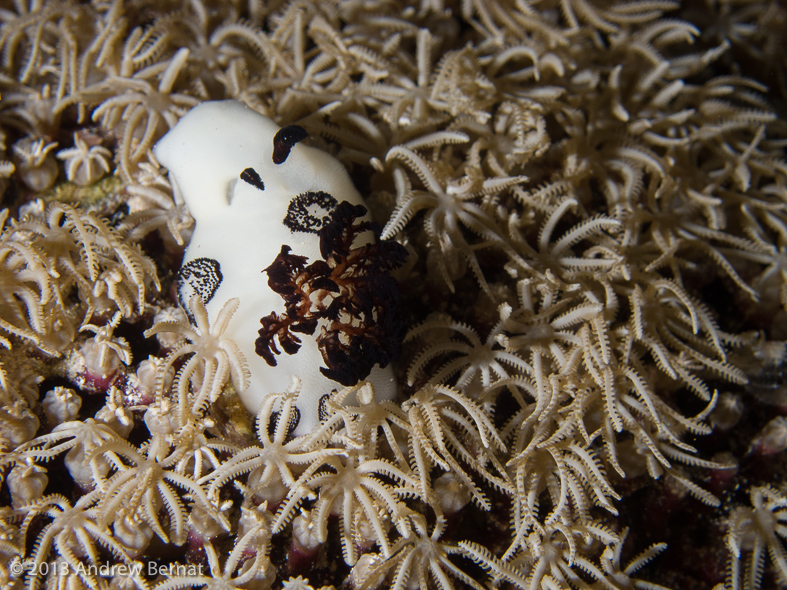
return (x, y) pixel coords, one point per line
(280, 226)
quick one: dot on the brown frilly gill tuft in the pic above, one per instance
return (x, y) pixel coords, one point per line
(350, 294)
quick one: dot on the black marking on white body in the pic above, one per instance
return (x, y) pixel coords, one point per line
(295, 418)
(202, 277)
(250, 176)
(322, 408)
(285, 139)
(310, 211)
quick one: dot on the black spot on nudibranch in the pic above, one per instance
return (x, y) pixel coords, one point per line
(250, 175)
(285, 139)
(295, 418)
(310, 211)
(322, 407)
(201, 276)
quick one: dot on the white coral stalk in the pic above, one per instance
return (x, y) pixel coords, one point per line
(215, 358)
(35, 166)
(85, 164)
(61, 405)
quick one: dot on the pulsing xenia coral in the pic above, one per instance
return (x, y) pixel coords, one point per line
(350, 295)
(593, 201)
(81, 250)
(757, 531)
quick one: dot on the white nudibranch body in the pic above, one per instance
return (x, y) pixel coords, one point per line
(223, 157)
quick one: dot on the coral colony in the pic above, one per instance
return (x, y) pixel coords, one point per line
(374, 294)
